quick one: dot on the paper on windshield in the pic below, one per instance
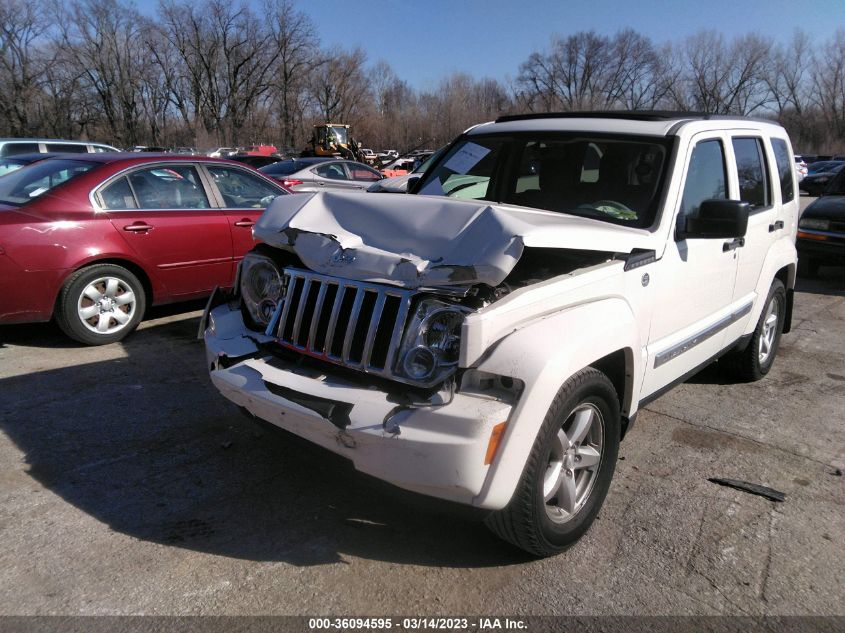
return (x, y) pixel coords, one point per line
(466, 158)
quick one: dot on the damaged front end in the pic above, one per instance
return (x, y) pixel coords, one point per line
(342, 391)
(349, 330)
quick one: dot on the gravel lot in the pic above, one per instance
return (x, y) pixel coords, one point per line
(128, 485)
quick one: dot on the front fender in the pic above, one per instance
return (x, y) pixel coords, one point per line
(544, 355)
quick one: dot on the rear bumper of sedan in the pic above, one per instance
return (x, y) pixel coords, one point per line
(27, 296)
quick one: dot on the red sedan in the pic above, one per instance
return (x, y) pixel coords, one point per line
(93, 239)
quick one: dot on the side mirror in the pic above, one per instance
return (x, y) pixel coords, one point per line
(717, 219)
(412, 182)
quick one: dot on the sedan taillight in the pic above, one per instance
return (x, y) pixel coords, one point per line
(291, 182)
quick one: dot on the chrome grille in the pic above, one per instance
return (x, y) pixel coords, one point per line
(351, 323)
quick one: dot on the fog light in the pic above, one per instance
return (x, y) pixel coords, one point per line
(420, 363)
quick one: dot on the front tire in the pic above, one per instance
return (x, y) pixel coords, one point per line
(100, 304)
(755, 361)
(568, 471)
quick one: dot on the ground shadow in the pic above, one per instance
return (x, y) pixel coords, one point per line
(146, 445)
(830, 280)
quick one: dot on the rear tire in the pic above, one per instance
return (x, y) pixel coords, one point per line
(100, 304)
(559, 493)
(755, 361)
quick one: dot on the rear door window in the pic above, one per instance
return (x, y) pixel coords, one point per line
(332, 171)
(752, 172)
(169, 187)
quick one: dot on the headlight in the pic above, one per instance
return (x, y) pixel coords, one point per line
(432, 342)
(261, 287)
(814, 223)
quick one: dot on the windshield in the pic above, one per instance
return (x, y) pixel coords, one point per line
(613, 178)
(28, 183)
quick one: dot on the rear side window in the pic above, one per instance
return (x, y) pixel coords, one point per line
(787, 190)
(10, 149)
(751, 170)
(705, 177)
(118, 195)
(67, 148)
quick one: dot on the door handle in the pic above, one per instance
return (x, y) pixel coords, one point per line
(776, 226)
(245, 222)
(733, 245)
(137, 227)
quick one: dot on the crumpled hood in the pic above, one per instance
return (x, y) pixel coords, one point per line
(415, 241)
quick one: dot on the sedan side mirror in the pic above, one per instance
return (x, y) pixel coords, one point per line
(716, 219)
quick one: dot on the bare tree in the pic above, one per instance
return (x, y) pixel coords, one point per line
(339, 85)
(22, 27)
(295, 42)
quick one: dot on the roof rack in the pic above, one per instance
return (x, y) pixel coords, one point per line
(634, 115)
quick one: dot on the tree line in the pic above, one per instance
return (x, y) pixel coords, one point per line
(219, 73)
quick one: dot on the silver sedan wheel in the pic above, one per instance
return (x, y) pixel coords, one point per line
(573, 463)
(106, 305)
(769, 333)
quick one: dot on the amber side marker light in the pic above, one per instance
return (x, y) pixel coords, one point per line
(493, 444)
(812, 236)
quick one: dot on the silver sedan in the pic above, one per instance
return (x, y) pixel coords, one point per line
(309, 175)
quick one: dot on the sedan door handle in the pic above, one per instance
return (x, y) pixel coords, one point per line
(137, 227)
(735, 244)
(776, 226)
(245, 222)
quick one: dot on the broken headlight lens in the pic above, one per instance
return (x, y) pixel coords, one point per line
(432, 342)
(261, 287)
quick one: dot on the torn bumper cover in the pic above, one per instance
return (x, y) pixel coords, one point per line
(437, 450)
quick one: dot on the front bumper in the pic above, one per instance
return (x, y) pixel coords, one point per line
(437, 449)
(822, 245)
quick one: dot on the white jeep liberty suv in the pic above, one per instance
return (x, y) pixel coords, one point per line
(490, 338)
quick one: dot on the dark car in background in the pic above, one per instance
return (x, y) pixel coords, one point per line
(818, 176)
(92, 239)
(821, 230)
(255, 161)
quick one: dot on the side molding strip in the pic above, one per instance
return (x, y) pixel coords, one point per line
(686, 345)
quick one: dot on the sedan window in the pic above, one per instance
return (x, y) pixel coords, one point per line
(241, 190)
(169, 187)
(362, 172)
(118, 195)
(332, 171)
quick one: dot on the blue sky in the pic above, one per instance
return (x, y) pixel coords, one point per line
(425, 40)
